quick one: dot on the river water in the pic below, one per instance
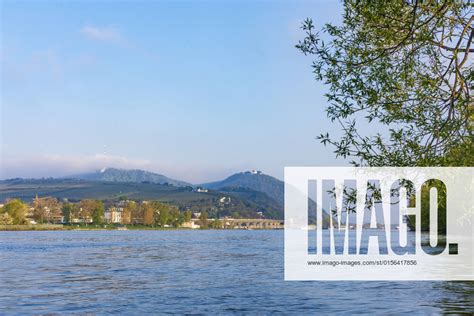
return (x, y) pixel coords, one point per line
(220, 271)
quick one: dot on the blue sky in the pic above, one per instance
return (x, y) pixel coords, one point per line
(194, 90)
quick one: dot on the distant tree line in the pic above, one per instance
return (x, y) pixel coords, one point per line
(51, 210)
(154, 213)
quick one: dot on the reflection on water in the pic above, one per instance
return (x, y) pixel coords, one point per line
(189, 271)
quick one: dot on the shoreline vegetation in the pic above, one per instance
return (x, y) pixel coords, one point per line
(49, 213)
(61, 227)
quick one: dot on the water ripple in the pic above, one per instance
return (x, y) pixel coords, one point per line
(194, 272)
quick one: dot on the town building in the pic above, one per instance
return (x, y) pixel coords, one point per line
(224, 200)
(113, 215)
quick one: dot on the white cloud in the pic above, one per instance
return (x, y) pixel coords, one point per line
(66, 165)
(106, 34)
(60, 165)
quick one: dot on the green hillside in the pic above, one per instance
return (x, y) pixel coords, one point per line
(237, 203)
(253, 180)
(128, 175)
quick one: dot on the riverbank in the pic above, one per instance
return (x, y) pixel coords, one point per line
(34, 227)
(59, 227)
(46, 227)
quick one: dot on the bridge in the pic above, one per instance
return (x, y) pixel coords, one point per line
(248, 223)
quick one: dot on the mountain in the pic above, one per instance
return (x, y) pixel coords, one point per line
(254, 180)
(263, 203)
(244, 194)
(261, 189)
(132, 175)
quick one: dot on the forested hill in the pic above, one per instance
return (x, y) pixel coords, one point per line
(254, 180)
(131, 175)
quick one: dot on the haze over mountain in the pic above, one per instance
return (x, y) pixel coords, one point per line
(128, 175)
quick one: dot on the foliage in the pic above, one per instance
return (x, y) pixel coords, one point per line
(98, 213)
(68, 210)
(203, 219)
(92, 209)
(129, 209)
(187, 216)
(163, 214)
(46, 209)
(425, 205)
(405, 65)
(16, 210)
(215, 224)
(148, 214)
(5, 219)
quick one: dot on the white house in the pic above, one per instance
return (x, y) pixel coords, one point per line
(224, 200)
(190, 224)
(113, 215)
